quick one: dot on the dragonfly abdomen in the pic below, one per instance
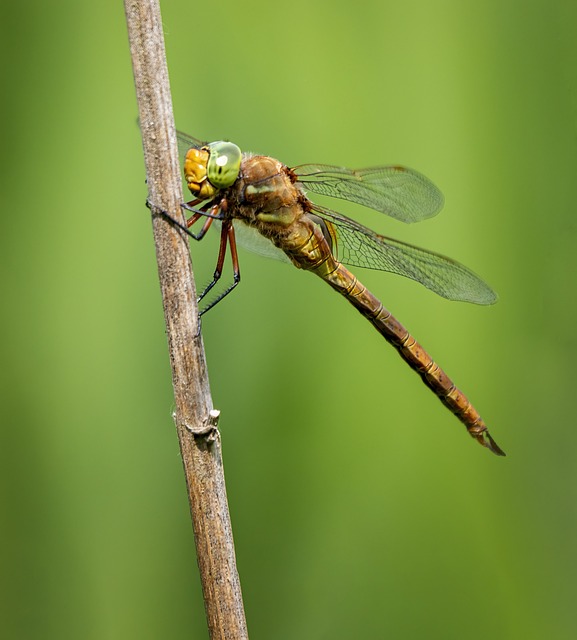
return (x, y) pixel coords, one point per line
(342, 280)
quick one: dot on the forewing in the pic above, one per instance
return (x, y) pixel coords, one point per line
(186, 142)
(360, 247)
(401, 193)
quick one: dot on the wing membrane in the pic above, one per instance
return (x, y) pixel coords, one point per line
(401, 193)
(186, 142)
(360, 247)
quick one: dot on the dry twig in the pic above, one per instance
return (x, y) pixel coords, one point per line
(196, 421)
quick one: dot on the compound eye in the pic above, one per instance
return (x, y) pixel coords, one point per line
(223, 164)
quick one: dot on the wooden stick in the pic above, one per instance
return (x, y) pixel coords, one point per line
(196, 420)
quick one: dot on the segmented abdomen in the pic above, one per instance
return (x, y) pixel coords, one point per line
(343, 281)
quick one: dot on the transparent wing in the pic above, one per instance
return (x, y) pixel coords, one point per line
(401, 193)
(249, 238)
(360, 247)
(186, 142)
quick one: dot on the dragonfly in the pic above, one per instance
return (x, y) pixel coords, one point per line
(264, 204)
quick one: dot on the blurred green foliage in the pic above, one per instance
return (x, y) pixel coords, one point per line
(360, 506)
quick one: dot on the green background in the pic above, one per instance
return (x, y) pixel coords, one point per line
(360, 507)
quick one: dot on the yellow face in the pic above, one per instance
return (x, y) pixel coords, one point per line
(215, 166)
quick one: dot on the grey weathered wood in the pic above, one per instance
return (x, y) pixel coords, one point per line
(196, 421)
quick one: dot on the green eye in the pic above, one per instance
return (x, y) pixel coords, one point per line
(223, 164)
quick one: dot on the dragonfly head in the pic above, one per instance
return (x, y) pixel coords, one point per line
(213, 167)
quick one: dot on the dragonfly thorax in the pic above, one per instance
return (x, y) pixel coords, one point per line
(265, 193)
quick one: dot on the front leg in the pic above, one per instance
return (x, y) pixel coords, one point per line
(215, 213)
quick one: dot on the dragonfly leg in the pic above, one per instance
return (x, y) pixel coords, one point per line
(226, 237)
(211, 213)
(184, 227)
(215, 213)
(200, 213)
(215, 210)
(205, 227)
